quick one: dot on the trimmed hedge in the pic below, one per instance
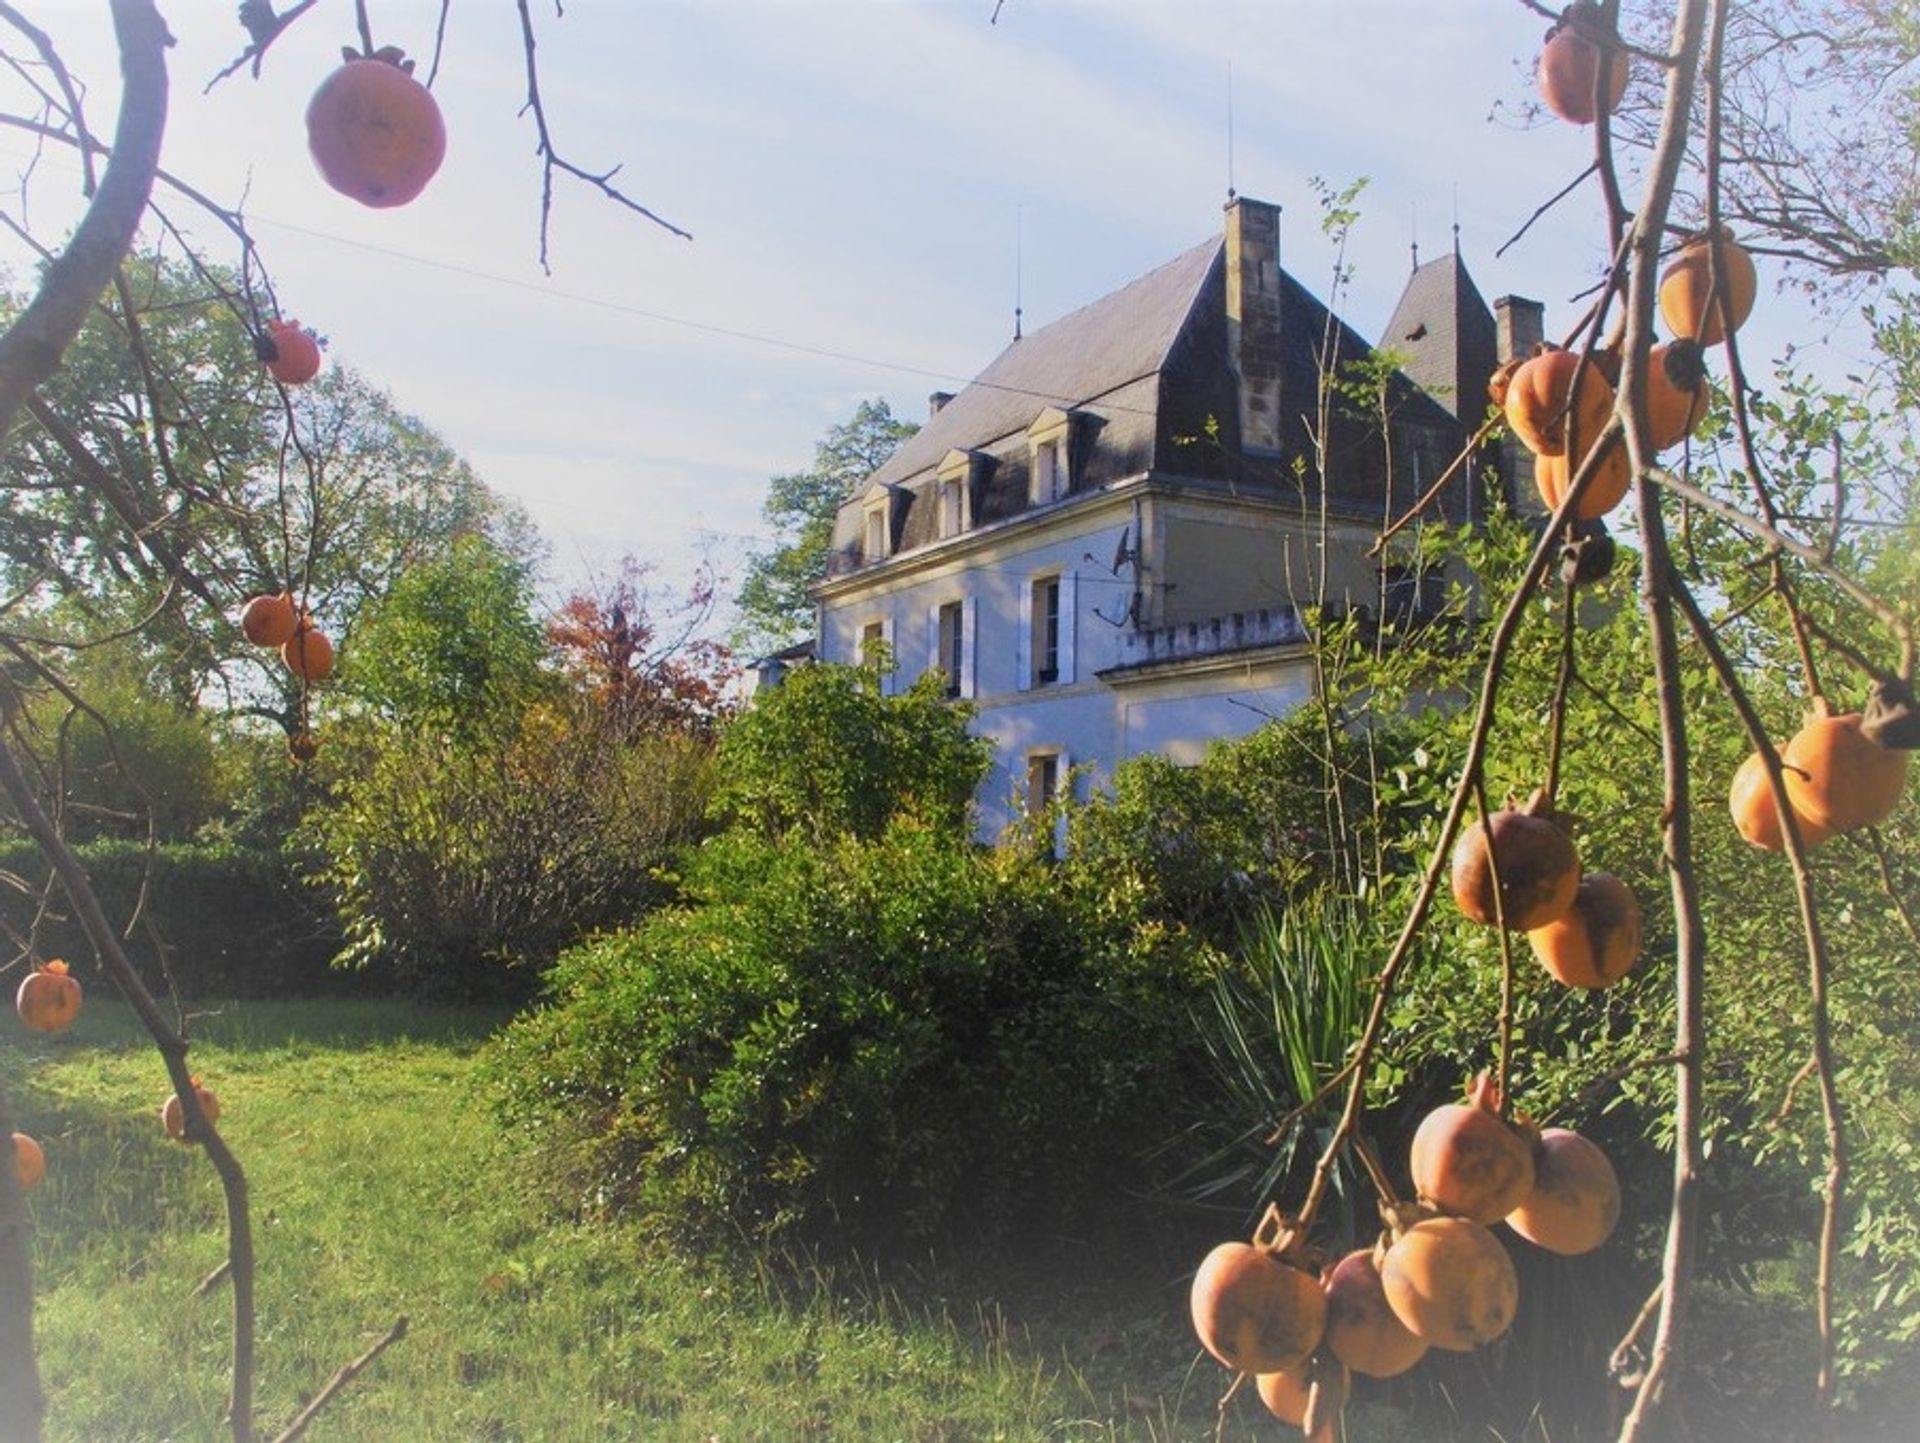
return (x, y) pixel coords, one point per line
(229, 921)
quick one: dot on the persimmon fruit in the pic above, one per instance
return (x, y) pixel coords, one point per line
(375, 131)
(48, 999)
(1840, 778)
(29, 1162)
(1756, 817)
(1255, 1312)
(270, 619)
(1538, 866)
(173, 1113)
(1537, 403)
(1598, 941)
(1469, 1160)
(1363, 1331)
(290, 353)
(1449, 1280)
(308, 654)
(1676, 392)
(1608, 488)
(1570, 69)
(1688, 295)
(1575, 1202)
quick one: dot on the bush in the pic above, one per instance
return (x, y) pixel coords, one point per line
(1255, 824)
(828, 753)
(448, 858)
(903, 1037)
(216, 919)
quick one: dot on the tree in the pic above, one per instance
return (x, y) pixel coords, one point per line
(642, 662)
(454, 645)
(776, 598)
(500, 786)
(154, 527)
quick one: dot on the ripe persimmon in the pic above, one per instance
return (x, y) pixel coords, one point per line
(1676, 392)
(1570, 68)
(1255, 1312)
(29, 1162)
(1537, 402)
(1450, 1282)
(375, 131)
(173, 1113)
(1469, 1160)
(1538, 866)
(1840, 778)
(1688, 295)
(290, 353)
(270, 619)
(1756, 817)
(1575, 1202)
(48, 999)
(1362, 1330)
(1598, 941)
(308, 654)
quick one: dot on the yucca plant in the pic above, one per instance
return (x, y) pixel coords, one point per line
(1286, 1010)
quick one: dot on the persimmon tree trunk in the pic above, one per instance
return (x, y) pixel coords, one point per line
(21, 1402)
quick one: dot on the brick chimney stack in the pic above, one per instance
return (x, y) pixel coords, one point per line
(1253, 318)
(1519, 325)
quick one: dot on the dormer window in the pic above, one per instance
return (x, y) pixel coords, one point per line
(876, 547)
(949, 492)
(953, 492)
(1050, 460)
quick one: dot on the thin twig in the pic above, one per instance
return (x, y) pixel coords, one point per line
(348, 1372)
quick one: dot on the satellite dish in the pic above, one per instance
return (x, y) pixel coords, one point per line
(1121, 555)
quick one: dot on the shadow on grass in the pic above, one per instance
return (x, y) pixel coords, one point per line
(247, 1025)
(113, 1178)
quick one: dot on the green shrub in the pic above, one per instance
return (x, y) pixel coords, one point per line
(901, 1037)
(1255, 824)
(451, 860)
(828, 752)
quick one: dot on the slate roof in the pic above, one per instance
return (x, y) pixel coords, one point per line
(1149, 368)
(1086, 354)
(1444, 329)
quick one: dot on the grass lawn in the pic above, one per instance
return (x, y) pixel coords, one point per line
(381, 1187)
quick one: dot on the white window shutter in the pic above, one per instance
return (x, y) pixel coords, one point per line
(1069, 611)
(969, 614)
(934, 660)
(1023, 640)
(886, 635)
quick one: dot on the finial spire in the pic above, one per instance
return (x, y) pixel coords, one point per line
(1018, 267)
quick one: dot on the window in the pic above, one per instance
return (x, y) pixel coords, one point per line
(1409, 594)
(873, 639)
(950, 630)
(876, 533)
(1046, 631)
(1043, 779)
(1050, 452)
(1049, 479)
(950, 523)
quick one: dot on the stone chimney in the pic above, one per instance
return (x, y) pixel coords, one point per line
(937, 402)
(1253, 318)
(1519, 326)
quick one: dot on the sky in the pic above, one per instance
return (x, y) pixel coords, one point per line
(871, 187)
